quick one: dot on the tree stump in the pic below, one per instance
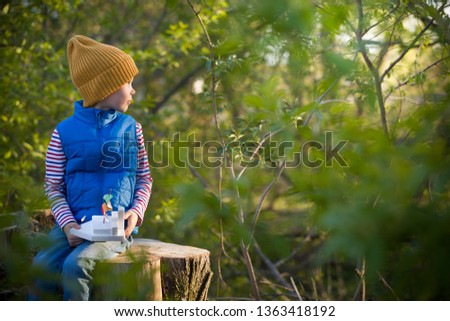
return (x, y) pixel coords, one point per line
(185, 270)
(154, 270)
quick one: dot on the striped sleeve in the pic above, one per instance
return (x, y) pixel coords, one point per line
(144, 180)
(55, 189)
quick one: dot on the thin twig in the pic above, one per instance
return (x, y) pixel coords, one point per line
(278, 289)
(358, 289)
(388, 286)
(223, 243)
(362, 281)
(315, 294)
(406, 50)
(406, 82)
(388, 44)
(387, 15)
(295, 289)
(318, 101)
(263, 196)
(273, 269)
(266, 136)
(213, 65)
(251, 271)
(199, 177)
(295, 251)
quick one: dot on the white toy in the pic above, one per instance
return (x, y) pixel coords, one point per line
(101, 229)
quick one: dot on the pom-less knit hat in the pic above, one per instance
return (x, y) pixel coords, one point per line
(97, 69)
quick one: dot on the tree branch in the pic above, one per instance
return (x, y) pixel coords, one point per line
(389, 43)
(295, 289)
(387, 15)
(266, 136)
(388, 286)
(199, 177)
(263, 196)
(174, 89)
(406, 82)
(406, 50)
(372, 68)
(296, 250)
(273, 269)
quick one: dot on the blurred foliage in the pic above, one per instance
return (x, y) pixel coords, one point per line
(361, 210)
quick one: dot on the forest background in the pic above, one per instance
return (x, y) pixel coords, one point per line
(304, 143)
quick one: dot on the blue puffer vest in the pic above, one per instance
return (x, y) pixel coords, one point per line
(101, 149)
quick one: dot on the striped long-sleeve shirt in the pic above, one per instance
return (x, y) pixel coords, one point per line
(55, 188)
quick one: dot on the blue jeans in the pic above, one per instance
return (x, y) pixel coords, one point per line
(70, 267)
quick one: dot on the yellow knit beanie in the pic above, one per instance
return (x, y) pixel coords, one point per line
(97, 69)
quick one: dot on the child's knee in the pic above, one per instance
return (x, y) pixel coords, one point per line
(77, 267)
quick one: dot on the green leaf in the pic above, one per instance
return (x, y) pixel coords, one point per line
(254, 101)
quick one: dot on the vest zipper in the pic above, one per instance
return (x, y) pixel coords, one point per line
(100, 146)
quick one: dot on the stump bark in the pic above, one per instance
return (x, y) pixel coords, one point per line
(185, 270)
(154, 270)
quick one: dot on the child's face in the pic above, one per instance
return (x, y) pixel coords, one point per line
(119, 100)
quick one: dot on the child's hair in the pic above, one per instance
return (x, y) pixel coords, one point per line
(97, 69)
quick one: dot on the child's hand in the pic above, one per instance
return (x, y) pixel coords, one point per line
(73, 240)
(131, 217)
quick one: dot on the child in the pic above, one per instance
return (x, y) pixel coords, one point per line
(98, 151)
